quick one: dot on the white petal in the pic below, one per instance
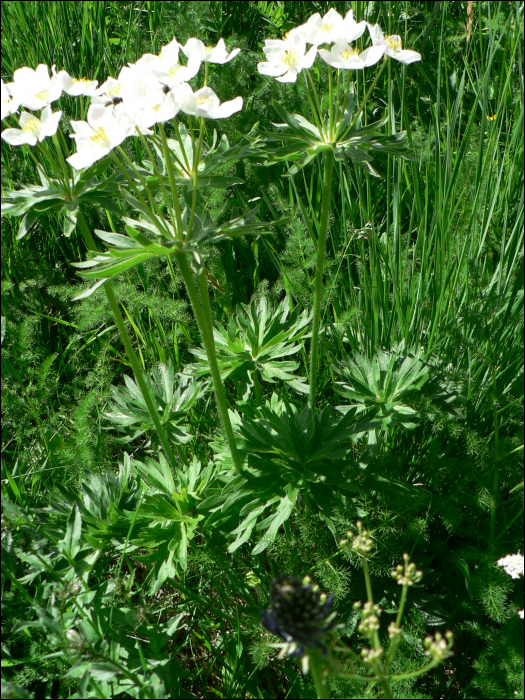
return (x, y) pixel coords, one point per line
(289, 77)
(405, 56)
(229, 108)
(81, 129)
(372, 55)
(194, 47)
(17, 137)
(327, 56)
(272, 69)
(376, 34)
(86, 157)
(50, 124)
(354, 31)
(308, 60)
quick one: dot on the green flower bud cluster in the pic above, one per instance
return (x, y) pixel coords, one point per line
(438, 647)
(407, 574)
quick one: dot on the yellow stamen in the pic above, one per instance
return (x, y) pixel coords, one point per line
(289, 58)
(174, 69)
(202, 100)
(209, 48)
(394, 42)
(326, 27)
(100, 137)
(31, 126)
(348, 53)
(82, 81)
(115, 90)
(43, 95)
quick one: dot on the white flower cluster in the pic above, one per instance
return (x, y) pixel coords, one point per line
(152, 90)
(513, 564)
(287, 57)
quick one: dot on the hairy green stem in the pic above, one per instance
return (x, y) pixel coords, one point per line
(316, 667)
(321, 250)
(385, 685)
(330, 104)
(132, 356)
(203, 317)
(396, 640)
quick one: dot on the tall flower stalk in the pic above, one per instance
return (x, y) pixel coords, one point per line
(319, 269)
(331, 135)
(144, 95)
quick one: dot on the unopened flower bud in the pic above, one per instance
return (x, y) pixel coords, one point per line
(75, 640)
(393, 630)
(362, 544)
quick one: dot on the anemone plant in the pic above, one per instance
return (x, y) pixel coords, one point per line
(256, 343)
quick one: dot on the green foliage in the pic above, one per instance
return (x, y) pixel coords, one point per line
(124, 576)
(256, 342)
(174, 398)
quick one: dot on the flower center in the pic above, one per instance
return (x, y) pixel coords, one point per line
(394, 42)
(348, 53)
(115, 90)
(82, 81)
(289, 58)
(43, 95)
(100, 137)
(202, 100)
(209, 48)
(325, 27)
(31, 126)
(174, 69)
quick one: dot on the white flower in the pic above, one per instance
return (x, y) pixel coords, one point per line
(149, 104)
(513, 564)
(166, 67)
(35, 89)
(205, 103)
(33, 129)
(393, 44)
(211, 54)
(76, 86)
(321, 30)
(98, 136)
(114, 90)
(10, 103)
(351, 30)
(520, 613)
(342, 55)
(286, 57)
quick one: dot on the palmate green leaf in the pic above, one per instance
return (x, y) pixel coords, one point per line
(33, 201)
(300, 142)
(127, 251)
(286, 453)
(389, 387)
(258, 340)
(173, 395)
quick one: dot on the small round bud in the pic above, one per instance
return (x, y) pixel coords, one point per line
(393, 630)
